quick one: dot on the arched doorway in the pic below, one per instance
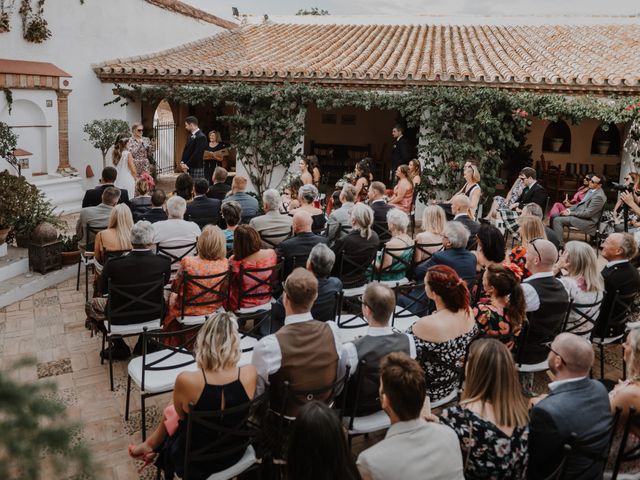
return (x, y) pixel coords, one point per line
(28, 122)
(164, 129)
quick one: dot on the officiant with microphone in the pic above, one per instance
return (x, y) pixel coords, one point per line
(192, 155)
(215, 155)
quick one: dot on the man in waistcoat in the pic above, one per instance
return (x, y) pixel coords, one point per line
(546, 300)
(305, 352)
(378, 304)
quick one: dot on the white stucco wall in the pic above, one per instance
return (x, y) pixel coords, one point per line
(86, 34)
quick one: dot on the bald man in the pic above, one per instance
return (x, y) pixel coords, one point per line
(546, 300)
(296, 250)
(576, 405)
(460, 207)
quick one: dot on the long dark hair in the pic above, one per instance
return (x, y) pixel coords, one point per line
(119, 146)
(318, 448)
(505, 283)
(184, 186)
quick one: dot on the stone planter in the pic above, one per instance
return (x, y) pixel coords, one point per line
(70, 258)
(603, 146)
(556, 144)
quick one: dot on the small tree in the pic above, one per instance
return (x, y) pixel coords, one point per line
(8, 140)
(102, 134)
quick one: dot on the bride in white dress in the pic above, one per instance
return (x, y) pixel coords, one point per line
(123, 161)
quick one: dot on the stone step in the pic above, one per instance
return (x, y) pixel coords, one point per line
(24, 285)
(15, 262)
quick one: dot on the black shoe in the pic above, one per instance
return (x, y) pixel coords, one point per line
(120, 352)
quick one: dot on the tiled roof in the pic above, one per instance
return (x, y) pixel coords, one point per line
(593, 57)
(22, 67)
(184, 9)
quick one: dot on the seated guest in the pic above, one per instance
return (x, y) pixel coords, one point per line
(530, 228)
(307, 195)
(533, 192)
(295, 250)
(582, 282)
(415, 172)
(619, 275)
(249, 204)
(403, 191)
(318, 447)
(248, 254)
(320, 262)
(217, 384)
(339, 221)
(117, 236)
(412, 448)
(533, 209)
(625, 395)
(394, 260)
(502, 314)
(273, 223)
(290, 196)
(509, 202)
(442, 337)
(93, 196)
(461, 209)
(491, 421)
(584, 215)
(491, 246)
(96, 216)
(357, 250)
(202, 209)
(576, 412)
(378, 304)
(471, 190)
(363, 174)
(141, 202)
(156, 213)
(546, 300)
(219, 188)
(211, 260)
(138, 267)
(305, 352)
(231, 213)
(613, 220)
(380, 209)
(183, 187)
(577, 198)
(176, 232)
(430, 240)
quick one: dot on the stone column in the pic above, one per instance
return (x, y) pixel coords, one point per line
(63, 129)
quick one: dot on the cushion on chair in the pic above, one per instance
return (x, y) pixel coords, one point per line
(368, 423)
(191, 320)
(446, 399)
(134, 328)
(156, 381)
(248, 459)
(395, 283)
(353, 292)
(608, 340)
(534, 367)
(248, 343)
(257, 308)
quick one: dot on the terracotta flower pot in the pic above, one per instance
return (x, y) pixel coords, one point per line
(4, 232)
(603, 147)
(556, 144)
(70, 258)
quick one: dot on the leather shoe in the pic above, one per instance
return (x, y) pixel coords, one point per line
(119, 353)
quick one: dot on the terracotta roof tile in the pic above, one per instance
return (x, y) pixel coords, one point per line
(601, 57)
(23, 67)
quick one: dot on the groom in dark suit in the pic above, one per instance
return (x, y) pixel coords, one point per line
(194, 149)
(400, 153)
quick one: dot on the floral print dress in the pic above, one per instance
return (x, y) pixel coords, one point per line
(494, 323)
(442, 362)
(140, 152)
(488, 452)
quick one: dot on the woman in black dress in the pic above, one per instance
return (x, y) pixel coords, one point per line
(215, 145)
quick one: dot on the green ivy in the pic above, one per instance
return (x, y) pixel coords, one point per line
(458, 123)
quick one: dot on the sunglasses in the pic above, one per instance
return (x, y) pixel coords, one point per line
(138, 130)
(535, 249)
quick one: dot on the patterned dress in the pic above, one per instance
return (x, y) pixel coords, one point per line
(250, 282)
(516, 192)
(442, 362)
(140, 152)
(494, 323)
(488, 452)
(633, 441)
(517, 256)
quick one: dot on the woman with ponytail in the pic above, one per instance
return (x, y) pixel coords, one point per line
(502, 313)
(442, 338)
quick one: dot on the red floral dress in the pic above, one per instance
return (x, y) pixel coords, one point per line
(248, 283)
(517, 257)
(494, 323)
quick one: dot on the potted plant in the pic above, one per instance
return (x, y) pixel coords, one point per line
(102, 134)
(603, 146)
(556, 144)
(70, 250)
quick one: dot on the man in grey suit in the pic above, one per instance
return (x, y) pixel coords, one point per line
(96, 217)
(585, 214)
(576, 412)
(273, 224)
(339, 221)
(412, 448)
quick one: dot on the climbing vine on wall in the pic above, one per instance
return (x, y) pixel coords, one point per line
(34, 26)
(457, 123)
(6, 9)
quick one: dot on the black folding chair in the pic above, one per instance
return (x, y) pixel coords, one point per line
(256, 283)
(204, 221)
(414, 302)
(155, 372)
(272, 240)
(175, 253)
(585, 317)
(424, 249)
(230, 431)
(294, 399)
(412, 211)
(149, 303)
(382, 229)
(87, 257)
(558, 473)
(627, 454)
(401, 262)
(210, 290)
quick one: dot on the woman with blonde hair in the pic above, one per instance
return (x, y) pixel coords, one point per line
(218, 384)
(140, 148)
(471, 190)
(117, 236)
(626, 394)
(492, 418)
(211, 260)
(531, 228)
(583, 283)
(429, 241)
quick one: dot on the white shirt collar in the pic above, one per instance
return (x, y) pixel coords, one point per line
(298, 318)
(557, 383)
(193, 134)
(458, 215)
(378, 200)
(379, 331)
(539, 275)
(616, 262)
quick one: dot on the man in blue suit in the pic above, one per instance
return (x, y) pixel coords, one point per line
(576, 412)
(203, 210)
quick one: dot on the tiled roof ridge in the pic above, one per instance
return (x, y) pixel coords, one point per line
(190, 11)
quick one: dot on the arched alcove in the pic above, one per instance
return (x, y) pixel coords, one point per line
(29, 123)
(557, 137)
(164, 137)
(606, 140)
